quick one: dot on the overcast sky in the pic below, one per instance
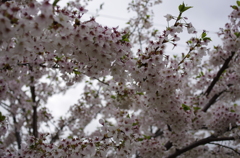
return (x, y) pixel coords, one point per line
(207, 15)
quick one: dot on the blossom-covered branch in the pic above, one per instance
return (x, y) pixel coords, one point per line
(200, 142)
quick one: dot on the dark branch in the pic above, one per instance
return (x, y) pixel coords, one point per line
(35, 118)
(158, 133)
(212, 101)
(223, 68)
(17, 133)
(224, 146)
(198, 143)
(168, 145)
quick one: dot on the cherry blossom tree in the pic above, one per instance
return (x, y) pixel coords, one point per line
(151, 103)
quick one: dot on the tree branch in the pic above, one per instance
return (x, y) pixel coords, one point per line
(17, 133)
(223, 68)
(226, 147)
(35, 118)
(212, 101)
(168, 145)
(198, 143)
(99, 80)
(159, 132)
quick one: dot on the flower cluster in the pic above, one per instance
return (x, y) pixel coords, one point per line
(150, 103)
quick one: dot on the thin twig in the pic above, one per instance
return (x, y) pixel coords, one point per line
(226, 147)
(100, 80)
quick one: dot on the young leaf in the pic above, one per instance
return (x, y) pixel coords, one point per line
(125, 38)
(134, 124)
(113, 97)
(238, 3)
(147, 137)
(140, 93)
(196, 108)
(154, 32)
(185, 107)
(207, 39)
(204, 34)
(234, 7)
(182, 7)
(2, 117)
(55, 2)
(237, 34)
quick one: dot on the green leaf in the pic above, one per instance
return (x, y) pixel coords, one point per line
(147, 137)
(140, 139)
(76, 72)
(154, 32)
(238, 3)
(70, 137)
(232, 110)
(58, 58)
(182, 7)
(140, 93)
(55, 2)
(196, 108)
(125, 38)
(234, 7)
(185, 107)
(2, 117)
(134, 124)
(147, 16)
(237, 34)
(204, 34)
(186, 8)
(207, 39)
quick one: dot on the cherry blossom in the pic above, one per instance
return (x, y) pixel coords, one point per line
(148, 103)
